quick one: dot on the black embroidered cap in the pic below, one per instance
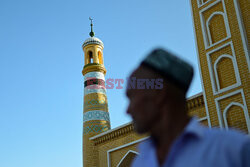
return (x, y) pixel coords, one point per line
(170, 66)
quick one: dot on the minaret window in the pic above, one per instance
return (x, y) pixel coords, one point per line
(100, 57)
(90, 56)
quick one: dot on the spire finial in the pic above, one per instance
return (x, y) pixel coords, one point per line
(92, 32)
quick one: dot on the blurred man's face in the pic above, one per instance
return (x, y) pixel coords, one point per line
(144, 104)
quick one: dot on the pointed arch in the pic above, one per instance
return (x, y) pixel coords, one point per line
(202, 2)
(243, 110)
(90, 57)
(236, 73)
(100, 57)
(127, 158)
(219, 29)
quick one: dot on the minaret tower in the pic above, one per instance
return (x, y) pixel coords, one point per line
(95, 112)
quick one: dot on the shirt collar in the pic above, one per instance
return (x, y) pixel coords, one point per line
(193, 128)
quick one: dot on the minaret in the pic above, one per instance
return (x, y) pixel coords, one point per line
(95, 112)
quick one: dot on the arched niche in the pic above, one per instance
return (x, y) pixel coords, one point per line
(127, 159)
(217, 28)
(89, 57)
(100, 57)
(226, 72)
(234, 117)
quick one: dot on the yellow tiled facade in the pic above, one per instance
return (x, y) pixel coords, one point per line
(221, 36)
(222, 32)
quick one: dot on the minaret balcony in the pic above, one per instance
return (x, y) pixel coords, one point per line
(93, 67)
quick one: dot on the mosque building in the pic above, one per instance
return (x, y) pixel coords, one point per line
(222, 33)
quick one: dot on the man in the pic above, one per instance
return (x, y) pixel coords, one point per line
(177, 140)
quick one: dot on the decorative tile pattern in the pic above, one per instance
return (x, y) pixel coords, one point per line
(88, 90)
(95, 129)
(95, 102)
(96, 115)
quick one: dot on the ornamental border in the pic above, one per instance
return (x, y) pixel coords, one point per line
(96, 115)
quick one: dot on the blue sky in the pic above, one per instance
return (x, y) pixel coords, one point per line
(41, 60)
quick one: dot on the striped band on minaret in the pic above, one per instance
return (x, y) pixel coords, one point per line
(95, 74)
(94, 82)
